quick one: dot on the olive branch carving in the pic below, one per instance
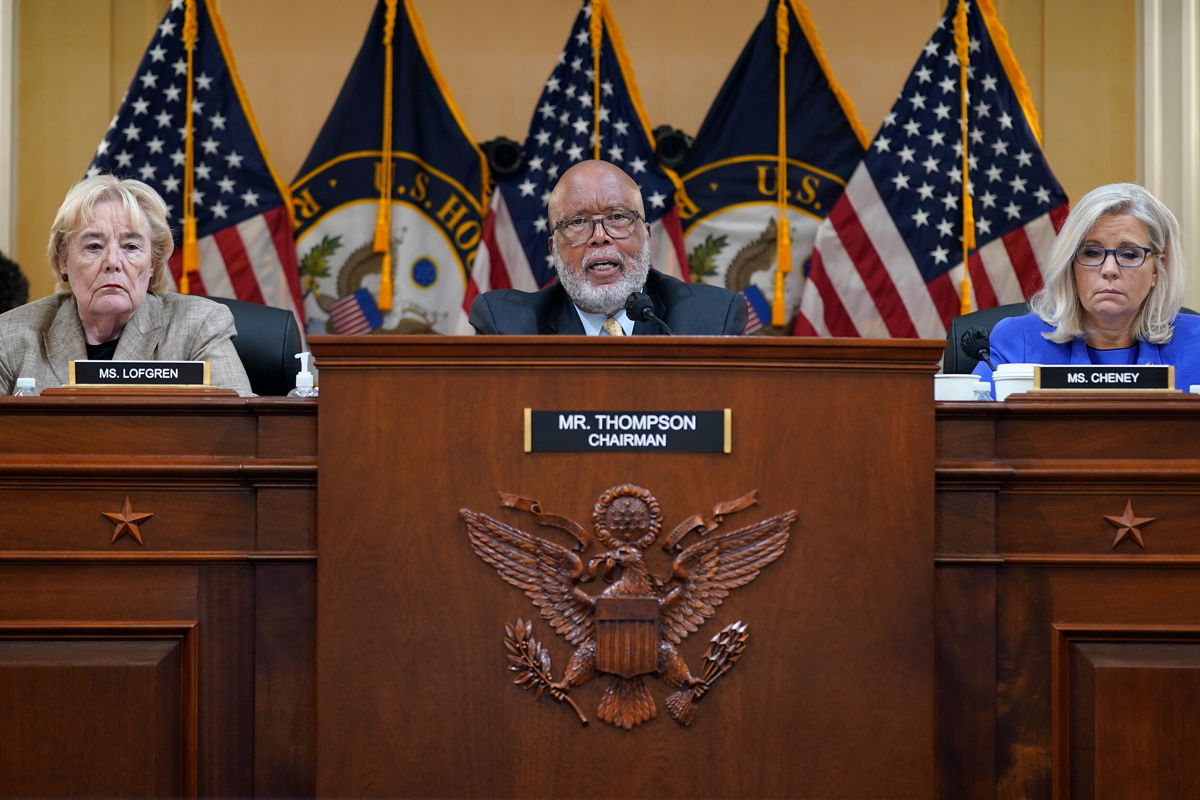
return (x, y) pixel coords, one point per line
(531, 661)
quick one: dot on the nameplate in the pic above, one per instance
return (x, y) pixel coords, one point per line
(1148, 377)
(628, 431)
(140, 373)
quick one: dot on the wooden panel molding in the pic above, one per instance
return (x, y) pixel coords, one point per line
(1066, 614)
(98, 709)
(219, 518)
(1126, 709)
(103, 691)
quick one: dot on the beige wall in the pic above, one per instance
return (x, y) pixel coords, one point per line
(75, 60)
(8, 61)
(77, 56)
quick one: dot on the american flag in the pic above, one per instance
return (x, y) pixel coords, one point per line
(888, 259)
(356, 313)
(560, 135)
(759, 310)
(243, 227)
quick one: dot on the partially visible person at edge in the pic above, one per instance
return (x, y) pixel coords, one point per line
(600, 244)
(1112, 293)
(108, 248)
(14, 286)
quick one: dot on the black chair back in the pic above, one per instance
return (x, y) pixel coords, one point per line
(267, 342)
(955, 361)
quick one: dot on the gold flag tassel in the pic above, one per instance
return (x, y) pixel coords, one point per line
(191, 250)
(783, 226)
(596, 29)
(961, 44)
(383, 221)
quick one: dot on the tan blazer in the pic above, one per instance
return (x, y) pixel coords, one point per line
(39, 339)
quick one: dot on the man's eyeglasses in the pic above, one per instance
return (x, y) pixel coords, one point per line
(577, 230)
(1128, 256)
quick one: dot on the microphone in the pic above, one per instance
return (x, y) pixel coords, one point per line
(974, 343)
(640, 308)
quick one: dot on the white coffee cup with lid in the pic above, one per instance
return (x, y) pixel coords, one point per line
(1012, 379)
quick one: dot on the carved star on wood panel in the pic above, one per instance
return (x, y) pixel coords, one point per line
(1128, 525)
(127, 522)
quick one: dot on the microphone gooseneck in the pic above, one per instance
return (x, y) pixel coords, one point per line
(640, 308)
(974, 344)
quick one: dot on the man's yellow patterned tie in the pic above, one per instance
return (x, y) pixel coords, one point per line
(612, 327)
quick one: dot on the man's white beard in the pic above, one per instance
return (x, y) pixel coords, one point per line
(608, 298)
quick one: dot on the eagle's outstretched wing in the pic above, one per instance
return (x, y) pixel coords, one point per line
(706, 571)
(546, 572)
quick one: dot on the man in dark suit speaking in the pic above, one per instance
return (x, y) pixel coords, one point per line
(600, 244)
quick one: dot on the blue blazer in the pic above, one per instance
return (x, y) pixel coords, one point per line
(690, 309)
(1019, 340)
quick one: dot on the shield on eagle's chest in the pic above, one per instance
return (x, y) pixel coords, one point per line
(627, 635)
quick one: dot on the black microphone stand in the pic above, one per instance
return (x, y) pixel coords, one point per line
(640, 309)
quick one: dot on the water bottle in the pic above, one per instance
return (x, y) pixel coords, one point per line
(26, 387)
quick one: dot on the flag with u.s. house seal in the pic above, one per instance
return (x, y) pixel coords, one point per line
(733, 196)
(433, 174)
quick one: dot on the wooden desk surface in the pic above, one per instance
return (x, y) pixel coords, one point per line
(177, 661)
(1068, 597)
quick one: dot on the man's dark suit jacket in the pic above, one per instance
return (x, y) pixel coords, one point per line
(689, 309)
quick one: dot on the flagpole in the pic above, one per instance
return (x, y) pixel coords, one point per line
(625, 69)
(596, 28)
(383, 220)
(961, 44)
(191, 250)
(782, 227)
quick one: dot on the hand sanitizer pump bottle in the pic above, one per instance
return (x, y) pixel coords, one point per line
(304, 379)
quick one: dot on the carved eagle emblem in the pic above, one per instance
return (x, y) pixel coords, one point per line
(632, 628)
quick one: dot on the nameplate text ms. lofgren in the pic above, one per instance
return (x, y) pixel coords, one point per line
(143, 373)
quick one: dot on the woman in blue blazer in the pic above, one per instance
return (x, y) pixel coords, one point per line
(1112, 292)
